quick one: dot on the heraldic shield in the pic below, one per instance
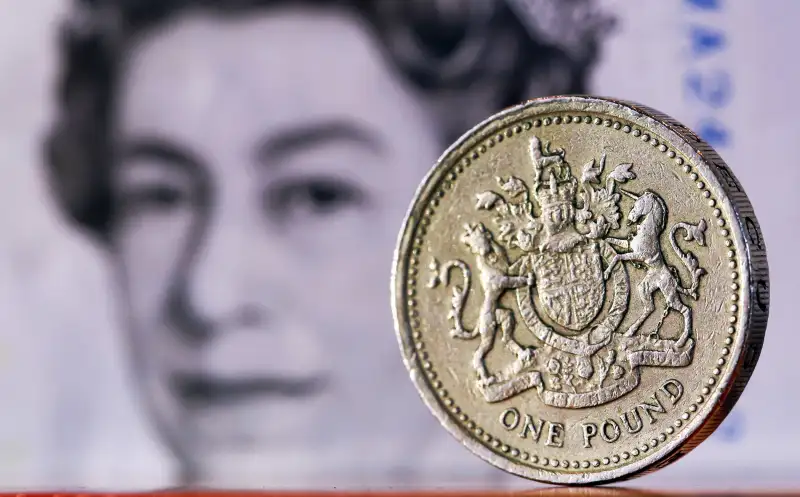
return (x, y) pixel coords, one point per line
(571, 288)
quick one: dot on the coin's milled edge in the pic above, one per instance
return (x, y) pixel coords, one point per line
(736, 205)
(754, 269)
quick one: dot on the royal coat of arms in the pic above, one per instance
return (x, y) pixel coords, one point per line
(573, 289)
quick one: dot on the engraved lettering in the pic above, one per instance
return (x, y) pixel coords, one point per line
(610, 431)
(632, 429)
(762, 295)
(504, 419)
(753, 234)
(554, 435)
(533, 428)
(589, 432)
(728, 178)
(673, 389)
(751, 357)
(650, 408)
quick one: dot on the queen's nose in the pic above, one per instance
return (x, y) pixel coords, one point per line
(228, 274)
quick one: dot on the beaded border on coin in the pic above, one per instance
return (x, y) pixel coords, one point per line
(748, 311)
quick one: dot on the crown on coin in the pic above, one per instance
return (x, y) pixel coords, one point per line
(553, 181)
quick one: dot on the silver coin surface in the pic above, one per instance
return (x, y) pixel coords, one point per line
(580, 290)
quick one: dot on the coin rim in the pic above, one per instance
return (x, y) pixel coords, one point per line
(752, 264)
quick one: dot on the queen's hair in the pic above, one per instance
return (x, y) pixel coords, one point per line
(468, 58)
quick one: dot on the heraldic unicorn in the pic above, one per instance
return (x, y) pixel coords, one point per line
(571, 283)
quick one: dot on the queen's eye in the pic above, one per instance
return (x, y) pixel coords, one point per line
(296, 198)
(156, 178)
(153, 198)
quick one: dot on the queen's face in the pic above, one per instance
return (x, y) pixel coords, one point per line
(264, 165)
